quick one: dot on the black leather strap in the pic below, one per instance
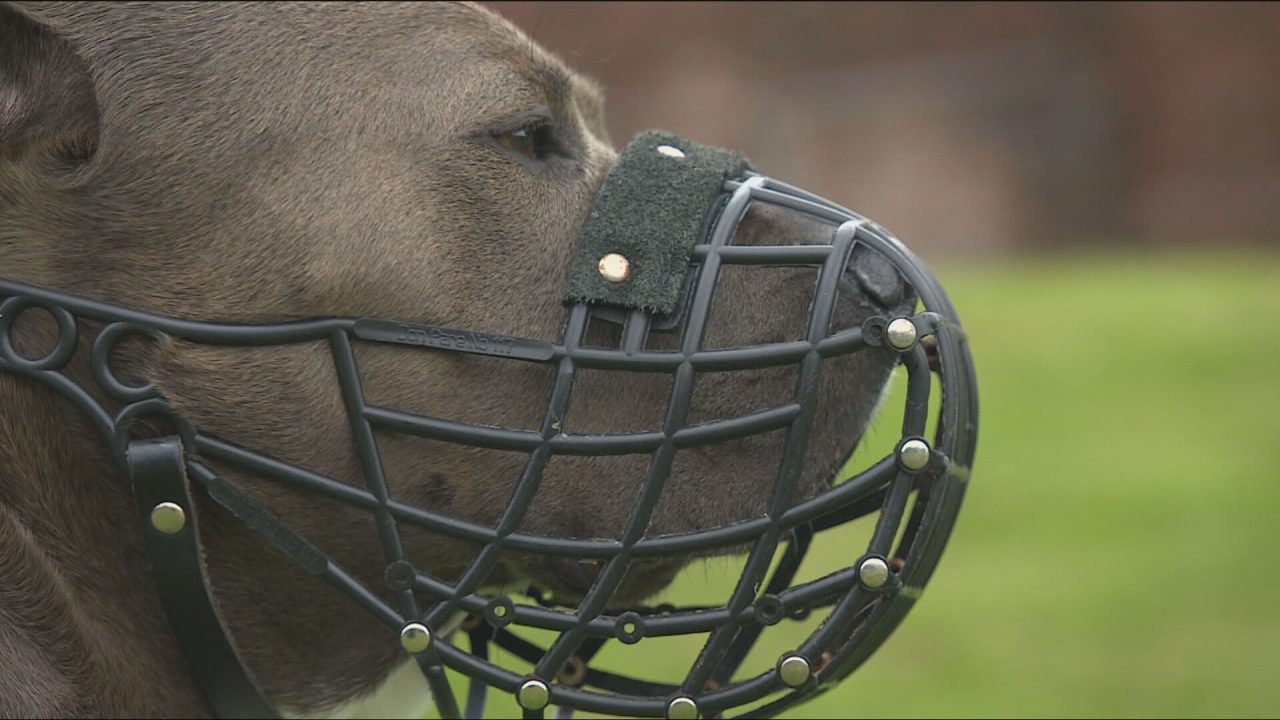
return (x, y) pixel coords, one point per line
(158, 472)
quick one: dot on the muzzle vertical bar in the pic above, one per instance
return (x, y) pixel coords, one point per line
(819, 322)
(660, 464)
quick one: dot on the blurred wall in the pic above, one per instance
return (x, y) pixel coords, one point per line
(975, 127)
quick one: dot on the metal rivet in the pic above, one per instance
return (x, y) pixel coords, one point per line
(670, 151)
(614, 267)
(533, 695)
(914, 454)
(682, 708)
(415, 637)
(168, 518)
(873, 572)
(901, 333)
(793, 670)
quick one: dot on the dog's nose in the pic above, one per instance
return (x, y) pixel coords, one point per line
(876, 277)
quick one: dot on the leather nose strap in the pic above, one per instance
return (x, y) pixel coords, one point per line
(653, 207)
(172, 539)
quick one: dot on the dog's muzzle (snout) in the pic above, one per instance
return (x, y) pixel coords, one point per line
(653, 251)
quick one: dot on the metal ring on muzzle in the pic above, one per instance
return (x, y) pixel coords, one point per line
(863, 602)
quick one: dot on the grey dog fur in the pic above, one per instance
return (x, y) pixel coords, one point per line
(265, 162)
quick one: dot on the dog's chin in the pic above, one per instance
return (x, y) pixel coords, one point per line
(567, 581)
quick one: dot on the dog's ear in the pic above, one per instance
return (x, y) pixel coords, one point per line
(47, 102)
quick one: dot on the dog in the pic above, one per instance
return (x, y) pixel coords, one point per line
(269, 162)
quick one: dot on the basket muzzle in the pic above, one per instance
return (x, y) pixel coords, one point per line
(652, 254)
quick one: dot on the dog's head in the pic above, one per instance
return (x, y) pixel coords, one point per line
(423, 162)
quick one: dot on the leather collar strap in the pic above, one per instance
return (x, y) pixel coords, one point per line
(163, 494)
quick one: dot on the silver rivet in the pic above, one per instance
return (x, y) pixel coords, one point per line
(415, 637)
(670, 151)
(682, 708)
(901, 333)
(168, 518)
(873, 572)
(794, 671)
(533, 695)
(914, 454)
(614, 267)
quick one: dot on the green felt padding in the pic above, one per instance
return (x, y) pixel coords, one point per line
(652, 209)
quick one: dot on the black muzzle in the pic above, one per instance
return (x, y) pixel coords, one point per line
(652, 253)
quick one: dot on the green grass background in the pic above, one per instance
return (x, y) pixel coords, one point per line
(1118, 553)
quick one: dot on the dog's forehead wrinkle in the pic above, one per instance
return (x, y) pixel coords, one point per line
(493, 91)
(535, 68)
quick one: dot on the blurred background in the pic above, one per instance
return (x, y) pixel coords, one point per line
(967, 128)
(1098, 187)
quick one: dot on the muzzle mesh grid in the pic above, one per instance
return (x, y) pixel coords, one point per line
(862, 612)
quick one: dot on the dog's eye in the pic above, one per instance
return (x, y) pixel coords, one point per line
(535, 142)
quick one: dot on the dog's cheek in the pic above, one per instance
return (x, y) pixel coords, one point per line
(283, 403)
(511, 233)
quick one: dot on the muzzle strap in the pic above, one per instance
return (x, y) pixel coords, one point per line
(654, 206)
(163, 495)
